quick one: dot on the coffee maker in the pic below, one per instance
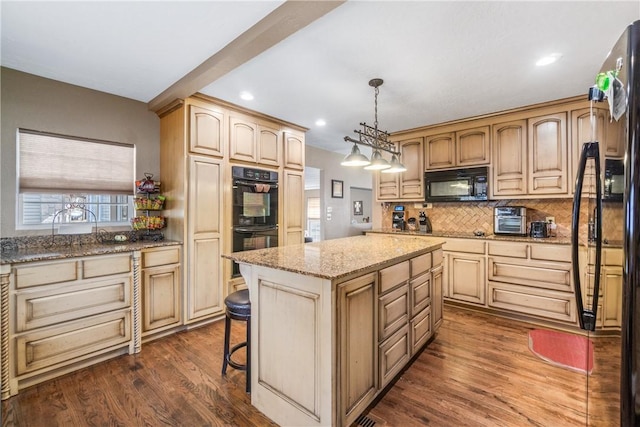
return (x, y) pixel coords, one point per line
(397, 220)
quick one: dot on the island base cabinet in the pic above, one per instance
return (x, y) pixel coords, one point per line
(358, 338)
(421, 330)
(394, 355)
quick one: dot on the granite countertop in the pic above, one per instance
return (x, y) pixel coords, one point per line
(333, 259)
(471, 235)
(72, 251)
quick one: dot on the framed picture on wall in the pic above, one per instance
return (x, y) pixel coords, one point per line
(357, 207)
(336, 189)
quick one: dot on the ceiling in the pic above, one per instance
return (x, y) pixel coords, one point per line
(440, 60)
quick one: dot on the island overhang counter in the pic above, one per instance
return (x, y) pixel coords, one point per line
(334, 322)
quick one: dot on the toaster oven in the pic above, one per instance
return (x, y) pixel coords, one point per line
(510, 220)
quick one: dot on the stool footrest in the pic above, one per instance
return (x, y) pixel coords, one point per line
(233, 364)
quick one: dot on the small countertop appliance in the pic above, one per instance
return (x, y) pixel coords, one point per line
(398, 222)
(539, 229)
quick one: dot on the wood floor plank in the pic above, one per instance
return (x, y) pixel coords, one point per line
(478, 371)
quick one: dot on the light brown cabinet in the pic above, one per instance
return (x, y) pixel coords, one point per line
(293, 150)
(408, 185)
(161, 289)
(509, 177)
(466, 270)
(206, 131)
(609, 314)
(547, 154)
(67, 313)
(358, 340)
(253, 141)
(293, 205)
(461, 148)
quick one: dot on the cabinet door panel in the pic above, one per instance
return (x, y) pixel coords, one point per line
(294, 150)
(206, 131)
(205, 296)
(472, 146)
(293, 204)
(160, 297)
(440, 151)
(412, 181)
(393, 311)
(420, 292)
(467, 278)
(420, 330)
(242, 139)
(436, 301)
(358, 345)
(509, 158)
(547, 139)
(204, 195)
(394, 354)
(269, 146)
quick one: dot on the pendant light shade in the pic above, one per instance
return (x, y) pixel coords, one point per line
(377, 162)
(356, 158)
(396, 166)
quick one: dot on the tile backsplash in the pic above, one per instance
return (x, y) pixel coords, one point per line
(478, 216)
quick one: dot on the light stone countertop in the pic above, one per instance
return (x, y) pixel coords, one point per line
(73, 251)
(333, 259)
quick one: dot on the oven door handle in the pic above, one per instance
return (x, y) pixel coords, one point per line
(272, 185)
(252, 230)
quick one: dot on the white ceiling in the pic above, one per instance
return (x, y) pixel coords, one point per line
(440, 60)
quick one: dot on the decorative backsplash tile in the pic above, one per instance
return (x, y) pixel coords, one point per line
(478, 216)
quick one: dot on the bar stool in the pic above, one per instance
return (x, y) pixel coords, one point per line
(238, 308)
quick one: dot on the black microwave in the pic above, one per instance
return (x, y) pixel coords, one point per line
(613, 180)
(457, 185)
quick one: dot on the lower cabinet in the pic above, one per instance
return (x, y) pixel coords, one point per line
(384, 319)
(609, 315)
(358, 340)
(67, 313)
(466, 270)
(161, 289)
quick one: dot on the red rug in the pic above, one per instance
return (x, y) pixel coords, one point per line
(562, 349)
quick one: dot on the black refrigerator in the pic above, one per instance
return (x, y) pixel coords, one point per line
(594, 229)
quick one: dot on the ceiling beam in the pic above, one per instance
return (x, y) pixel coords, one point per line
(282, 22)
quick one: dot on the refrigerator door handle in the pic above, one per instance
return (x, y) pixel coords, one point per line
(587, 316)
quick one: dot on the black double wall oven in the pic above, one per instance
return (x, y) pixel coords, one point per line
(255, 210)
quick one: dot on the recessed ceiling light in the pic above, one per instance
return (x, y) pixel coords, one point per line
(320, 122)
(549, 59)
(246, 96)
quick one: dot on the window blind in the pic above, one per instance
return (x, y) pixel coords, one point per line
(313, 208)
(64, 164)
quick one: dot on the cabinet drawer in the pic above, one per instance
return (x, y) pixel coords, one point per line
(465, 245)
(420, 264)
(50, 306)
(533, 301)
(393, 276)
(393, 311)
(560, 253)
(611, 257)
(510, 249)
(420, 292)
(393, 355)
(547, 276)
(106, 265)
(154, 258)
(420, 330)
(57, 345)
(46, 273)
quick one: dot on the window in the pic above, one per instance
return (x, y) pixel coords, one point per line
(313, 218)
(57, 172)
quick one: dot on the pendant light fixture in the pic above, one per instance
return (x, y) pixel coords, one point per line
(378, 141)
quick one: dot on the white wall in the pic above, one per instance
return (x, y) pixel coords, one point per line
(341, 209)
(36, 103)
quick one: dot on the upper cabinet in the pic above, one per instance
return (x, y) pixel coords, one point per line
(509, 159)
(461, 148)
(294, 150)
(408, 185)
(206, 131)
(547, 150)
(254, 142)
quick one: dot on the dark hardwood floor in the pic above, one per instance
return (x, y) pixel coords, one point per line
(477, 372)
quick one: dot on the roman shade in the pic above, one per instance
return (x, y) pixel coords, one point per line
(66, 164)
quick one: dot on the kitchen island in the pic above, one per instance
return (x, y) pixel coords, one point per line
(334, 322)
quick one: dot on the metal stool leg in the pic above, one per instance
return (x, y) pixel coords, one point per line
(227, 333)
(248, 363)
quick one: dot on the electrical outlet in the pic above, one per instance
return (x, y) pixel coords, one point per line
(427, 205)
(550, 219)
